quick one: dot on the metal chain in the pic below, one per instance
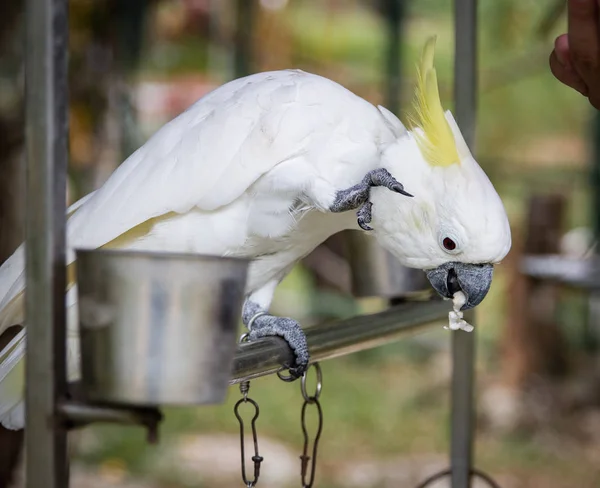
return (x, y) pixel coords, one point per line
(310, 400)
(448, 472)
(305, 458)
(256, 459)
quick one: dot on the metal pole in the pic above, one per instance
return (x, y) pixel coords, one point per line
(463, 344)
(375, 271)
(47, 149)
(340, 337)
(595, 174)
(394, 15)
(591, 339)
(245, 12)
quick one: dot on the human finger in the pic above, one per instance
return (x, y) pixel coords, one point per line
(567, 75)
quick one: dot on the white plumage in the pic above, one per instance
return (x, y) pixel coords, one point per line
(251, 170)
(232, 175)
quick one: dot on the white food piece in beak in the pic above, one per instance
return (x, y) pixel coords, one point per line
(455, 318)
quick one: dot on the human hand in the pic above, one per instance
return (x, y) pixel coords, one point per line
(575, 60)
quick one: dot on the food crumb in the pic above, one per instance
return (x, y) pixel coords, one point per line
(455, 317)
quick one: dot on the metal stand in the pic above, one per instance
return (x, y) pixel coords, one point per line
(47, 149)
(49, 412)
(463, 345)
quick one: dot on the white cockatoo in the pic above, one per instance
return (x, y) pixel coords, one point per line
(268, 167)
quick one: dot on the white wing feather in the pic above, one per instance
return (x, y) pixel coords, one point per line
(256, 123)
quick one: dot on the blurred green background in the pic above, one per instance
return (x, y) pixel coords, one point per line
(135, 65)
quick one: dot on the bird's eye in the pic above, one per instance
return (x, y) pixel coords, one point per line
(449, 244)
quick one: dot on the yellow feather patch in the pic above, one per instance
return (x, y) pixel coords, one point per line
(436, 142)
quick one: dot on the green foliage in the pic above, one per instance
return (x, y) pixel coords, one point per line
(189, 55)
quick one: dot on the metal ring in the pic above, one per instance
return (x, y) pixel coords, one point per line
(254, 317)
(447, 472)
(244, 337)
(311, 399)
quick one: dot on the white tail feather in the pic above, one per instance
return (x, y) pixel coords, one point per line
(12, 366)
(11, 383)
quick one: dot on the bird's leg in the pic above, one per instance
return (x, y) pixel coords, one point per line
(357, 196)
(261, 324)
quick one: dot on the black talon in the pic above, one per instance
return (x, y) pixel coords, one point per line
(297, 372)
(364, 226)
(400, 189)
(364, 216)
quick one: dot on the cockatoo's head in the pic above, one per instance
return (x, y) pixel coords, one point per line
(455, 227)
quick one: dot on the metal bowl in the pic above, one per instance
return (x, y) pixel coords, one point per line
(158, 329)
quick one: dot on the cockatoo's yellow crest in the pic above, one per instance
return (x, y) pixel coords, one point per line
(436, 142)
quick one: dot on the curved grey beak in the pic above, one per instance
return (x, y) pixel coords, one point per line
(474, 280)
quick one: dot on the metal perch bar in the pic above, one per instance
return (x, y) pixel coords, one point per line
(580, 273)
(338, 338)
(76, 414)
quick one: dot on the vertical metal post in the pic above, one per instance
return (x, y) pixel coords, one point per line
(47, 149)
(129, 25)
(221, 52)
(394, 16)
(595, 174)
(463, 344)
(375, 271)
(591, 331)
(245, 12)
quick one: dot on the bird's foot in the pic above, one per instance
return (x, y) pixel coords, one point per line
(261, 324)
(357, 196)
